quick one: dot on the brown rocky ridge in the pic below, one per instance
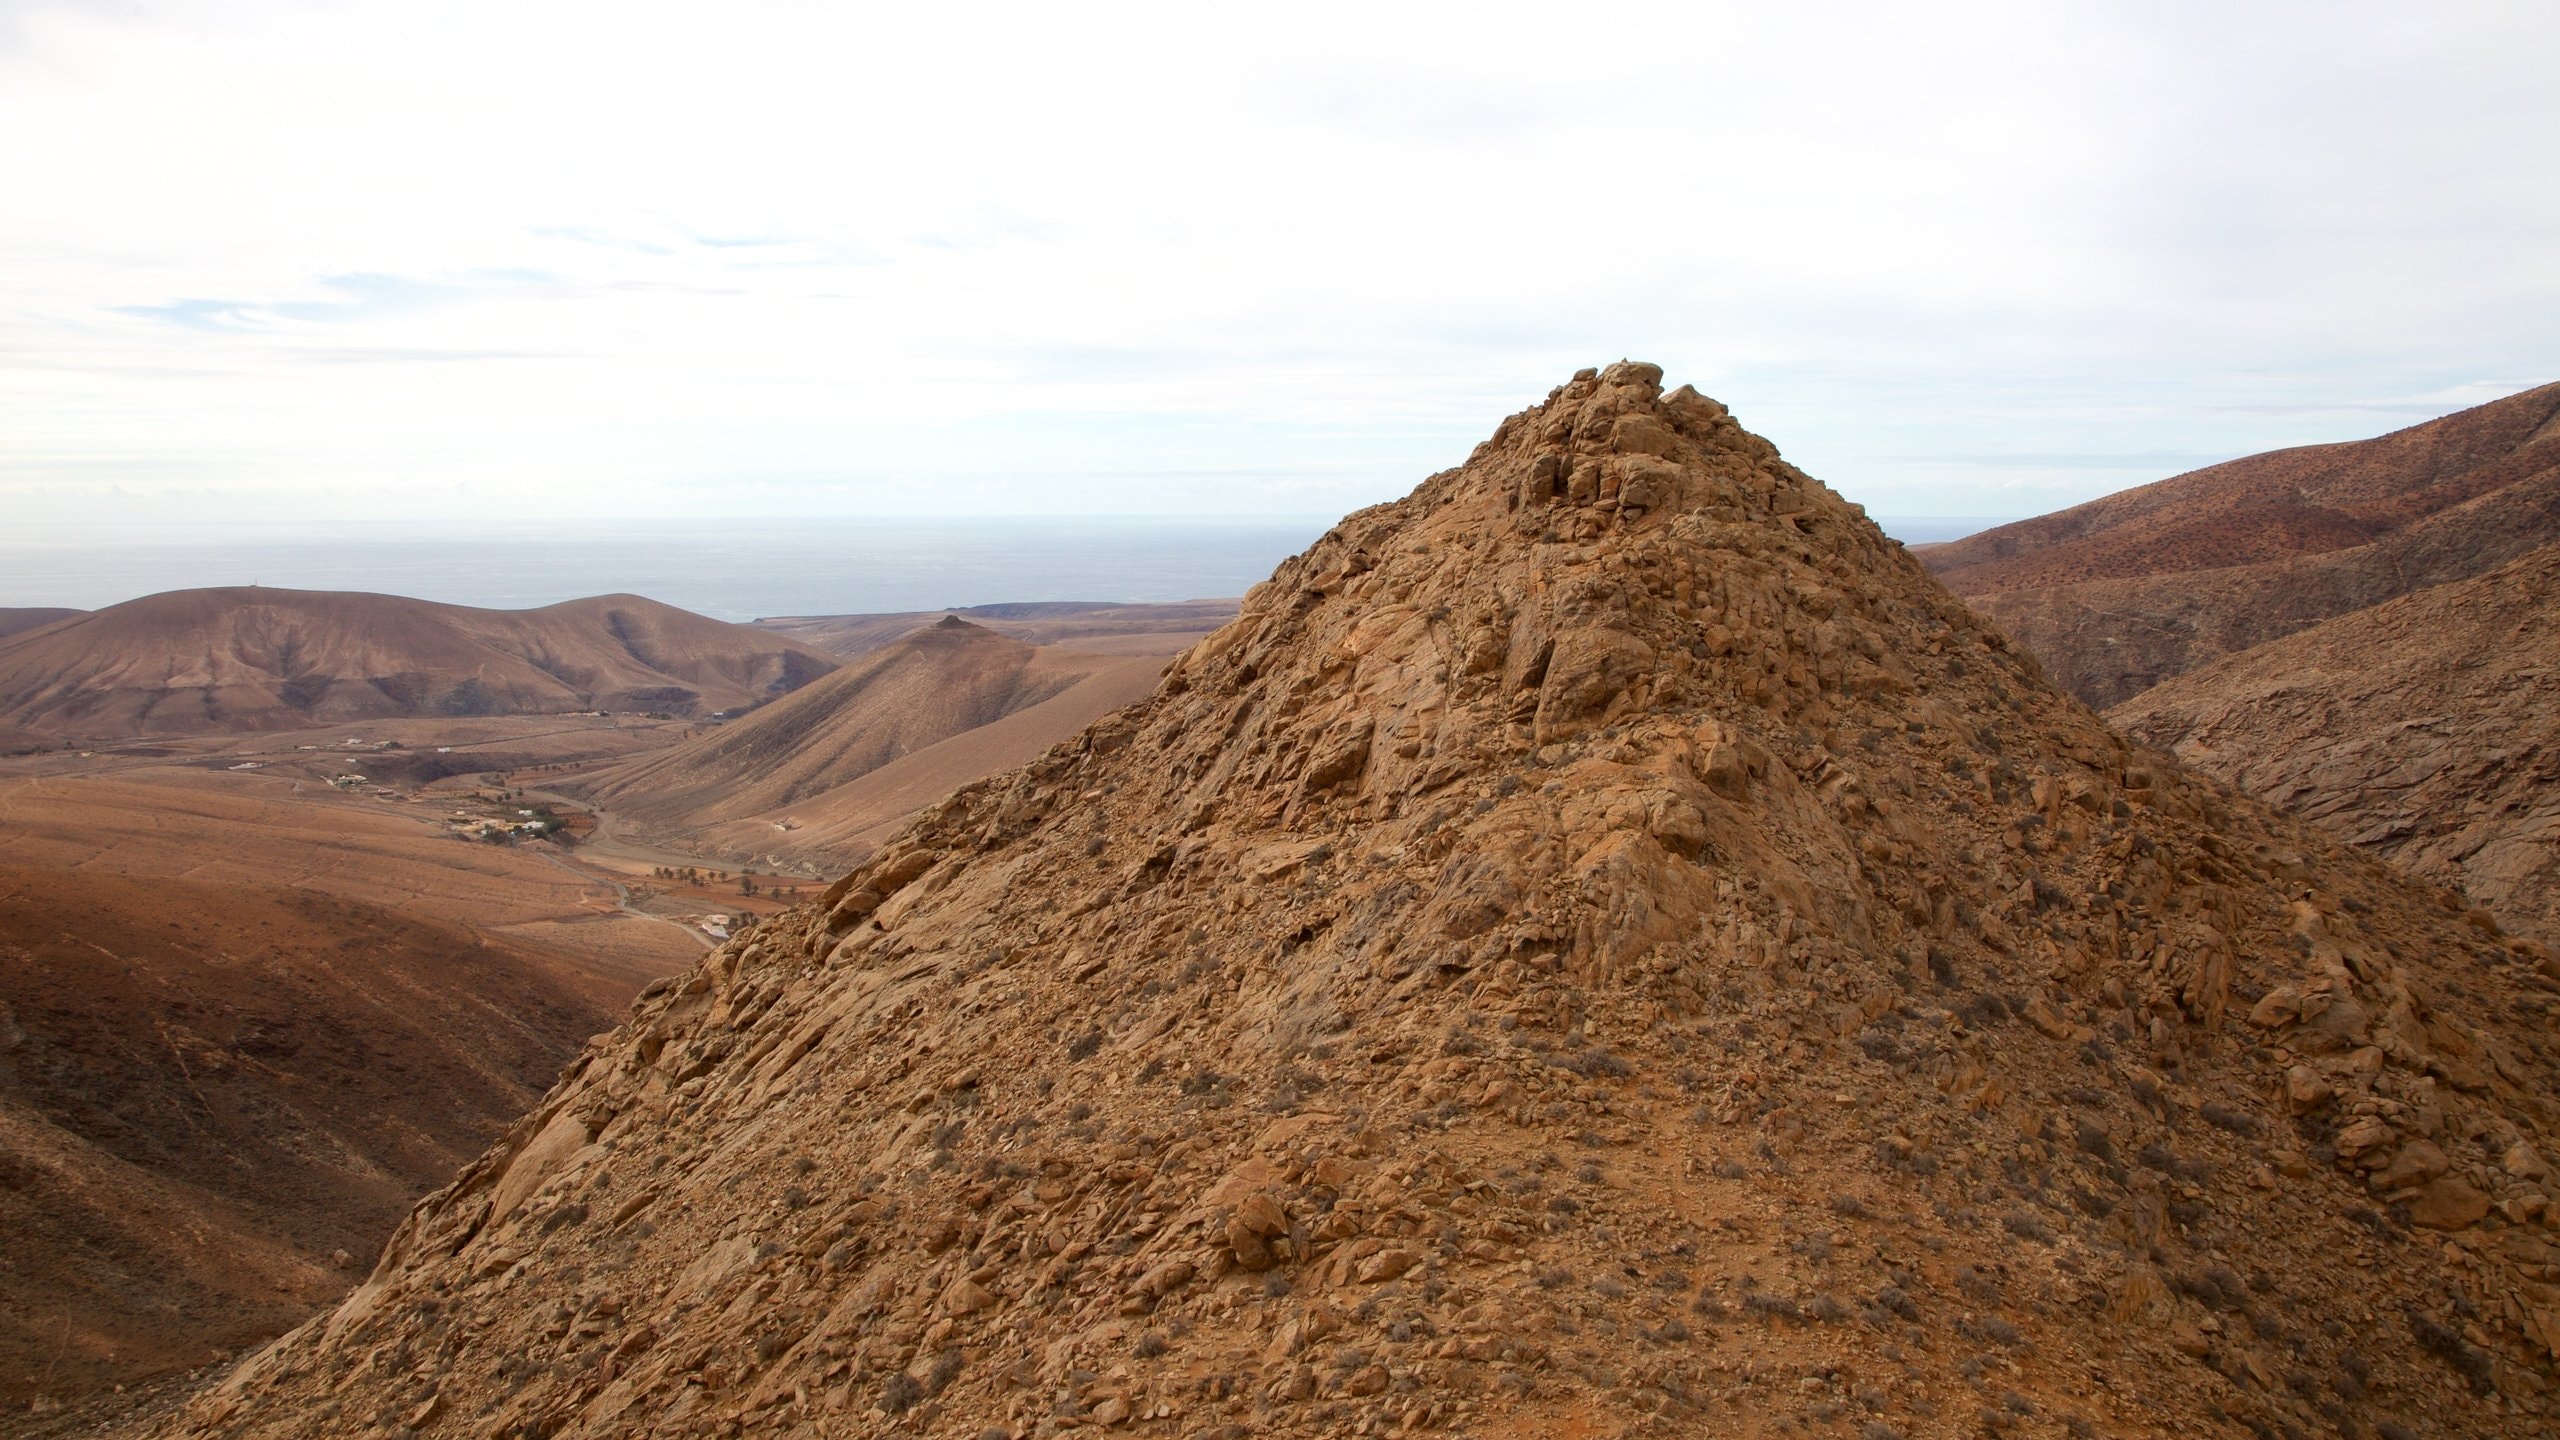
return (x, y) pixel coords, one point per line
(2121, 593)
(1604, 945)
(249, 658)
(2426, 730)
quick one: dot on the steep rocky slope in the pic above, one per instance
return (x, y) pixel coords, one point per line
(2426, 730)
(1602, 946)
(2121, 593)
(774, 782)
(195, 662)
(216, 1098)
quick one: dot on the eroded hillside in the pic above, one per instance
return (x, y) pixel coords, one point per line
(2426, 730)
(251, 658)
(801, 782)
(216, 1098)
(1604, 946)
(2124, 592)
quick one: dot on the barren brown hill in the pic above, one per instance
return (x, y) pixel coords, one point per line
(1602, 946)
(828, 831)
(2426, 730)
(946, 680)
(250, 658)
(207, 1092)
(1089, 627)
(2121, 593)
(20, 619)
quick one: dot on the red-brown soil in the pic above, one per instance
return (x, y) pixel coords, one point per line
(195, 662)
(1092, 628)
(2285, 502)
(2426, 730)
(208, 1090)
(1602, 946)
(295, 940)
(2123, 592)
(219, 827)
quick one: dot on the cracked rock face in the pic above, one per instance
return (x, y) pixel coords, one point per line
(1603, 945)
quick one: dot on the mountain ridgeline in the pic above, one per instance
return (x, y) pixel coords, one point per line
(2425, 729)
(1605, 945)
(250, 658)
(2124, 592)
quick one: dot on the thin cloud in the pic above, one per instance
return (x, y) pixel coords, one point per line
(222, 316)
(1957, 261)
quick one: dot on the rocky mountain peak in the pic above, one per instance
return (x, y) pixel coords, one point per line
(1602, 945)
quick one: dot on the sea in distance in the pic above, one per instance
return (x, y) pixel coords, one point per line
(728, 569)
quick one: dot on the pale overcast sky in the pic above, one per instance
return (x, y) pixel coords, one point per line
(270, 259)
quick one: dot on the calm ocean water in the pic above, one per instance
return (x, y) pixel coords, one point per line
(733, 570)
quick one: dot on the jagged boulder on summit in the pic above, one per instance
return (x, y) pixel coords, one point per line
(1604, 945)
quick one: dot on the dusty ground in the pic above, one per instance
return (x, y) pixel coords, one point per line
(2426, 730)
(1603, 946)
(247, 1016)
(209, 1089)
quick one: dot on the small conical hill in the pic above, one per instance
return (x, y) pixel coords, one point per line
(926, 686)
(1604, 945)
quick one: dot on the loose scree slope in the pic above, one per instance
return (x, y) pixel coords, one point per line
(1603, 945)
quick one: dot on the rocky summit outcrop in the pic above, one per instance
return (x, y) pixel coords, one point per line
(2426, 730)
(1604, 945)
(2124, 592)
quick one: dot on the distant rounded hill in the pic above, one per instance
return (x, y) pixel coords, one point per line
(253, 658)
(2119, 594)
(17, 620)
